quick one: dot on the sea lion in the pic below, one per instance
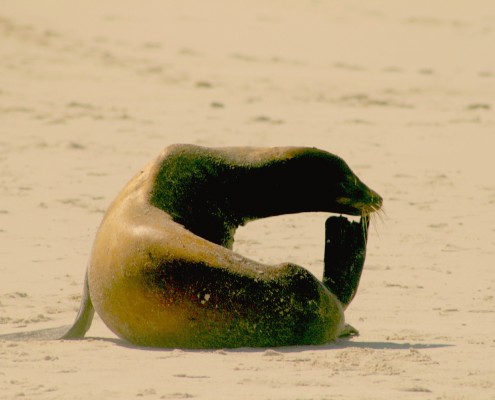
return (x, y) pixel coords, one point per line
(162, 272)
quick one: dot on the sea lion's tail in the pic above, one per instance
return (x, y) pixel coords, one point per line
(84, 317)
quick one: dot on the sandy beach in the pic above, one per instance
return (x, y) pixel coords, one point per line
(92, 91)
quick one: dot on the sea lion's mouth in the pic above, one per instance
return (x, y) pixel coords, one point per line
(351, 206)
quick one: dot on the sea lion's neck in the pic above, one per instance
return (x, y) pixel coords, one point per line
(207, 193)
(213, 191)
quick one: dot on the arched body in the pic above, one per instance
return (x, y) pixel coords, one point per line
(162, 272)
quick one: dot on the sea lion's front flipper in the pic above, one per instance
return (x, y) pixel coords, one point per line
(345, 252)
(84, 317)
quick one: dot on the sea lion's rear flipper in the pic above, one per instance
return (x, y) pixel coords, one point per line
(345, 252)
(40, 334)
(76, 331)
(348, 331)
(84, 317)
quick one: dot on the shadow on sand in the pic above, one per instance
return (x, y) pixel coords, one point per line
(340, 344)
(343, 343)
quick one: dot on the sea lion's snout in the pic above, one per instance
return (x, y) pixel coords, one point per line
(369, 198)
(373, 204)
(359, 199)
(376, 201)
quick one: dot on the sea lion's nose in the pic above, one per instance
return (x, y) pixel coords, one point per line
(376, 200)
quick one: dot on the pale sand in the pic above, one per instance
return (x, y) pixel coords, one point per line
(90, 91)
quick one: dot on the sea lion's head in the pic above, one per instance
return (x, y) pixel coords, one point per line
(309, 179)
(352, 196)
(339, 188)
